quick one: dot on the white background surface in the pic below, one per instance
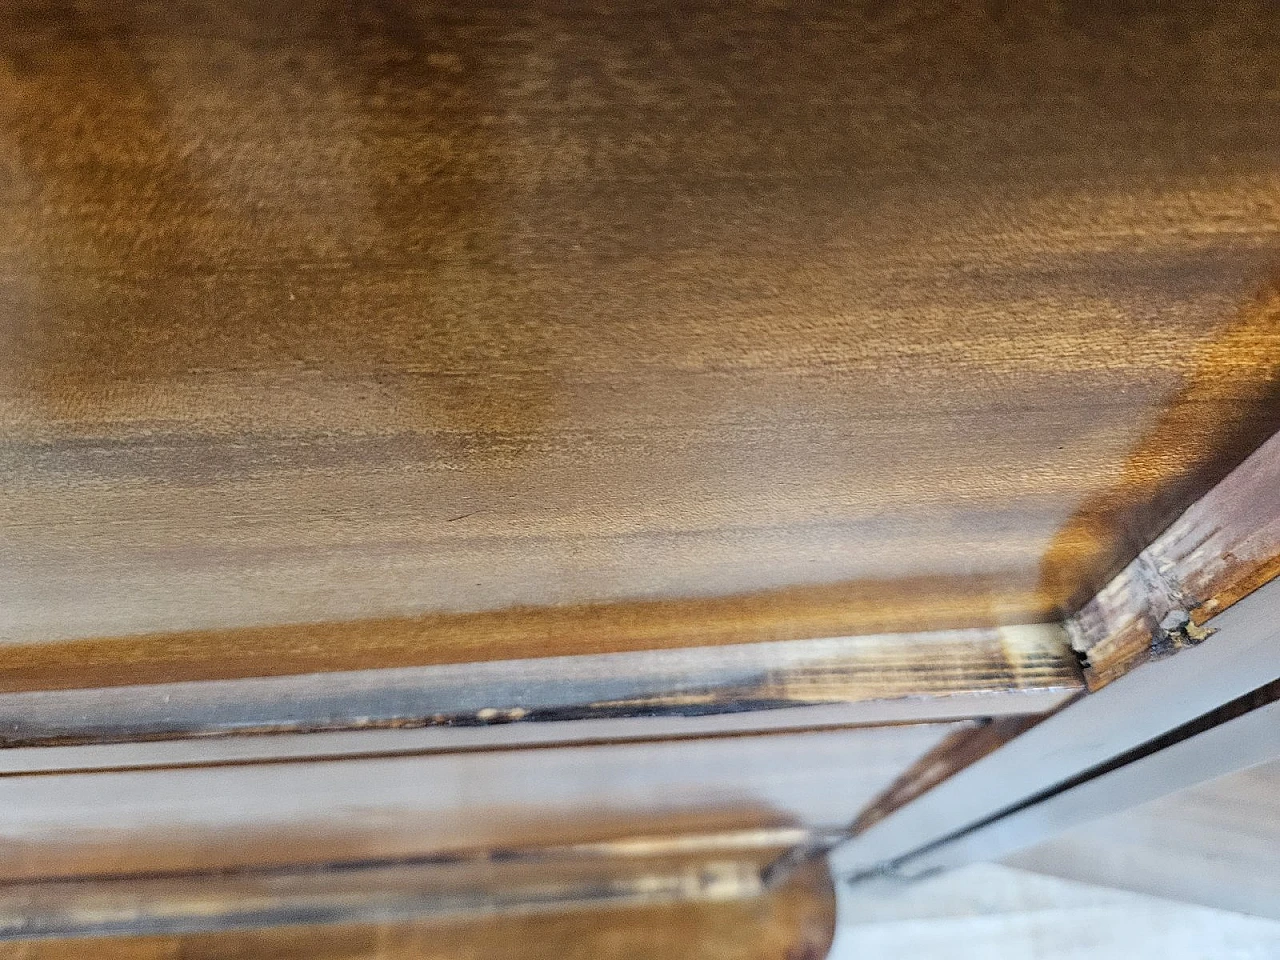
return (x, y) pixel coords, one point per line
(991, 912)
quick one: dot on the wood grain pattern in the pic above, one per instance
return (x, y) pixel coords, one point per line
(1225, 546)
(941, 661)
(903, 678)
(795, 921)
(334, 315)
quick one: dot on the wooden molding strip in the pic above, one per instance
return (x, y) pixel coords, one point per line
(1223, 547)
(888, 678)
(642, 871)
(794, 919)
(516, 633)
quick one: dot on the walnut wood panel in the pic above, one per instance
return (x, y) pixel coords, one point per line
(321, 313)
(921, 610)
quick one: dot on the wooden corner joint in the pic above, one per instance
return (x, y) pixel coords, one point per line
(1221, 549)
(1225, 546)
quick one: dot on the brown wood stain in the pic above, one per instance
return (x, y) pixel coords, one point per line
(445, 328)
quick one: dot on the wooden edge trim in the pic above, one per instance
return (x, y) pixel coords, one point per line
(859, 608)
(795, 920)
(1223, 547)
(888, 678)
(1140, 707)
(640, 871)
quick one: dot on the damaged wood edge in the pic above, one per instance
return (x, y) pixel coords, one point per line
(1223, 547)
(936, 802)
(846, 681)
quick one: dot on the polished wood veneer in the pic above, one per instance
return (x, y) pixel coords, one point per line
(612, 328)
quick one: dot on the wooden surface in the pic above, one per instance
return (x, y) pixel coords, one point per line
(793, 922)
(745, 321)
(994, 654)
(871, 669)
(647, 695)
(337, 337)
(1226, 545)
(698, 868)
(142, 820)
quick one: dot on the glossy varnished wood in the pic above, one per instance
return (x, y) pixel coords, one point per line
(928, 662)
(315, 313)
